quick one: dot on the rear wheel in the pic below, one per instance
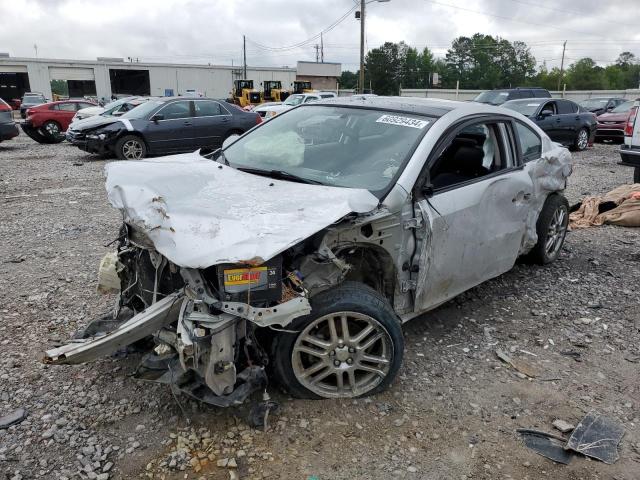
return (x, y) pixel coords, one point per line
(582, 140)
(351, 345)
(131, 147)
(551, 228)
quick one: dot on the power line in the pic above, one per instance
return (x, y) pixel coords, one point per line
(308, 40)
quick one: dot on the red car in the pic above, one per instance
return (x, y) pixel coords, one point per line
(47, 123)
(611, 124)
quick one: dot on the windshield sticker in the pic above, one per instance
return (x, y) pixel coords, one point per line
(402, 121)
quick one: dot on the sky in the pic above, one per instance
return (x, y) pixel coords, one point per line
(280, 32)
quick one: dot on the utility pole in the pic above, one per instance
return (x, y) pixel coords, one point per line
(321, 48)
(362, 3)
(317, 47)
(244, 57)
(564, 47)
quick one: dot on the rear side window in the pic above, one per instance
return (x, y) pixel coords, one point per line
(566, 107)
(80, 106)
(65, 107)
(530, 142)
(525, 94)
(541, 94)
(208, 109)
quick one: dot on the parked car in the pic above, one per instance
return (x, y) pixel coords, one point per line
(274, 108)
(31, 100)
(600, 105)
(611, 124)
(630, 151)
(563, 121)
(308, 256)
(47, 123)
(115, 108)
(499, 96)
(8, 127)
(163, 125)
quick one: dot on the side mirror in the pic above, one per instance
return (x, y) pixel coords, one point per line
(229, 140)
(117, 114)
(157, 117)
(427, 189)
(545, 114)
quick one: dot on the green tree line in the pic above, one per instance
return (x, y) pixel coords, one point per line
(484, 62)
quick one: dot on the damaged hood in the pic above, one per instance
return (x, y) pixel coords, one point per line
(199, 213)
(93, 122)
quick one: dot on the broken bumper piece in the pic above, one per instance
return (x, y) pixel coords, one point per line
(142, 325)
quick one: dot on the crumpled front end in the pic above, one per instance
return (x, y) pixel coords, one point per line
(209, 285)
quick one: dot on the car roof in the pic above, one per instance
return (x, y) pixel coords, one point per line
(433, 107)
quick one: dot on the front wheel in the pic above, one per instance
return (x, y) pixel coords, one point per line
(582, 140)
(131, 147)
(351, 345)
(53, 131)
(551, 228)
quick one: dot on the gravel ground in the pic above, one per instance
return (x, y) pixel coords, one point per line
(451, 414)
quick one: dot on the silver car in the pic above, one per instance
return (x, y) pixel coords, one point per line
(298, 250)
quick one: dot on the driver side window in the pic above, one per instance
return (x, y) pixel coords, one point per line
(475, 151)
(549, 109)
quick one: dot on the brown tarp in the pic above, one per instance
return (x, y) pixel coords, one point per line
(626, 213)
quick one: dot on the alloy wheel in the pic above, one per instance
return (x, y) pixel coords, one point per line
(583, 139)
(132, 150)
(556, 232)
(342, 354)
(52, 129)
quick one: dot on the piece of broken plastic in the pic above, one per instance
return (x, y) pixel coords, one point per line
(546, 444)
(597, 436)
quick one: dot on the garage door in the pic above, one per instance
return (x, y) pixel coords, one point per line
(13, 69)
(71, 73)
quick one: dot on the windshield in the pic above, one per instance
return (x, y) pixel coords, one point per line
(493, 97)
(336, 146)
(143, 110)
(594, 103)
(623, 107)
(294, 100)
(527, 108)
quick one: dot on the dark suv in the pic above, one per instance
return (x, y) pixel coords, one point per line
(498, 97)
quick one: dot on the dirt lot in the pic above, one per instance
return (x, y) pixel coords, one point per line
(451, 414)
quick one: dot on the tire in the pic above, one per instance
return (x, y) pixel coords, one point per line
(551, 230)
(52, 130)
(370, 362)
(636, 175)
(582, 140)
(131, 147)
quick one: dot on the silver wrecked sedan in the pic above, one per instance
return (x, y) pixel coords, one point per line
(297, 251)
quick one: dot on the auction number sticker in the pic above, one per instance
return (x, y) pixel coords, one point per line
(402, 121)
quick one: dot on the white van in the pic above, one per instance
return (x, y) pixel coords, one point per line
(630, 151)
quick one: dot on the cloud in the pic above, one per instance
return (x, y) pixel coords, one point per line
(210, 31)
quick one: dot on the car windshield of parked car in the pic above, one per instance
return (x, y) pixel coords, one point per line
(526, 108)
(623, 107)
(294, 100)
(332, 145)
(492, 97)
(594, 103)
(143, 110)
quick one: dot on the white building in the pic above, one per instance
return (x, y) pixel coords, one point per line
(113, 76)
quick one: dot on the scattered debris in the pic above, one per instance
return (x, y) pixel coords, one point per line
(577, 356)
(519, 364)
(597, 437)
(563, 426)
(12, 418)
(546, 444)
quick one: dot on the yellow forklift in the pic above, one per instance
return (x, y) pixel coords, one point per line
(273, 92)
(244, 94)
(300, 86)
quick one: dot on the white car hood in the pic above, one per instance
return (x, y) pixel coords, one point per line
(199, 213)
(90, 111)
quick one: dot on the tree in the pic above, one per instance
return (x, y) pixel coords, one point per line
(384, 67)
(485, 62)
(348, 79)
(60, 87)
(584, 74)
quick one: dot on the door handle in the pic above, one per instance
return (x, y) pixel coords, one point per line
(187, 123)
